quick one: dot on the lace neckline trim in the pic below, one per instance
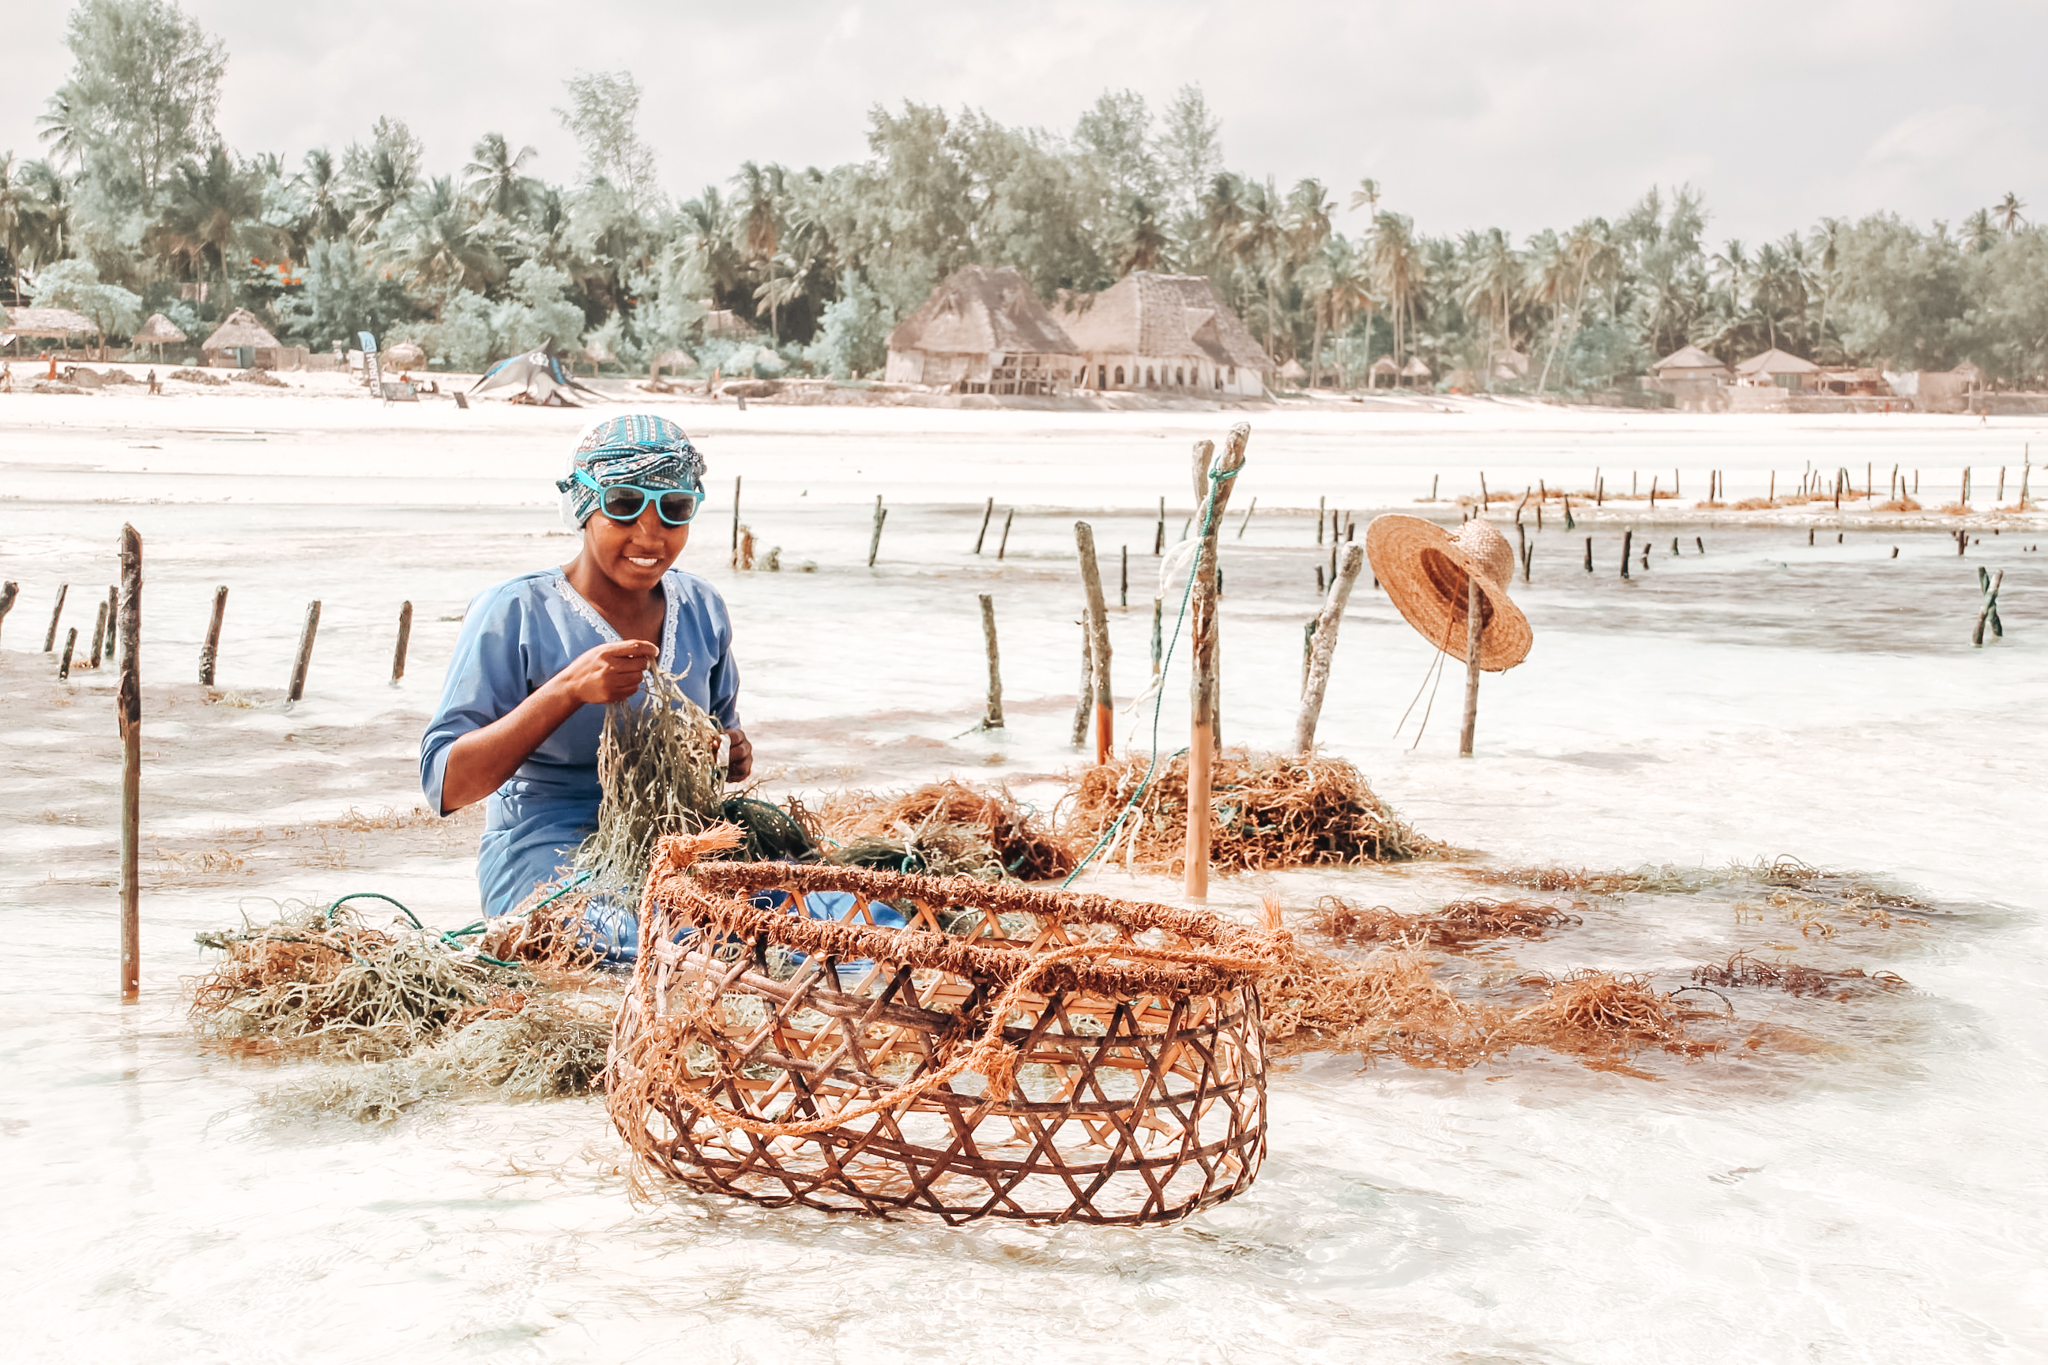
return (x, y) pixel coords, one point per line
(673, 599)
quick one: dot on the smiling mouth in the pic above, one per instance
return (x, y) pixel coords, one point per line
(646, 563)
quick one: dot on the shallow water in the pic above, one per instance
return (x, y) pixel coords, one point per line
(1864, 1187)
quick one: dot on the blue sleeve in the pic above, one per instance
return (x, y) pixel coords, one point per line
(487, 678)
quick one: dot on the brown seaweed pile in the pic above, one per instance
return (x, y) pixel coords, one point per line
(1269, 811)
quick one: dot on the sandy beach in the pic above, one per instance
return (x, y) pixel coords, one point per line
(1795, 682)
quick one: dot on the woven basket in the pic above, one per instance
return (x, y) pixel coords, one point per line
(1008, 1053)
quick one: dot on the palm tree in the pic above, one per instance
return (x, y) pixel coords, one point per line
(320, 182)
(211, 209)
(1146, 244)
(1339, 286)
(1259, 241)
(16, 204)
(1495, 278)
(1730, 267)
(1399, 273)
(761, 192)
(1367, 196)
(496, 177)
(1827, 244)
(48, 193)
(438, 247)
(1979, 232)
(2008, 211)
(62, 127)
(1551, 274)
(385, 185)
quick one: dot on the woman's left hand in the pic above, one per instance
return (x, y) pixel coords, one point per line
(739, 758)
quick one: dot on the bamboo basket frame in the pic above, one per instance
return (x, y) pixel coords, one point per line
(1011, 1053)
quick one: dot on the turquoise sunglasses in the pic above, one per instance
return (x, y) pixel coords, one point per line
(624, 502)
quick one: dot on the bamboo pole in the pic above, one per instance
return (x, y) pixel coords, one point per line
(209, 653)
(986, 513)
(1004, 544)
(404, 636)
(1098, 639)
(1474, 627)
(1203, 686)
(56, 614)
(875, 540)
(992, 717)
(305, 655)
(1322, 644)
(128, 712)
(8, 592)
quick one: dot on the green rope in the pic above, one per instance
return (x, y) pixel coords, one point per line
(1216, 476)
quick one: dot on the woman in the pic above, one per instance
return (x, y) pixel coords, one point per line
(542, 654)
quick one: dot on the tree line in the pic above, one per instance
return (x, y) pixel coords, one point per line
(135, 200)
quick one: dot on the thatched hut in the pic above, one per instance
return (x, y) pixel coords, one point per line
(1690, 364)
(54, 324)
(1415, 374)
(242, 342)
(1781, 368)
(1293, 374)
(983, 331)
(1383, 374)
(1151, 331)
(159, 332)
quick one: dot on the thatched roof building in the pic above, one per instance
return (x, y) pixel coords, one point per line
(54, 323)
(242, 341)
(1778, 367)
(983, 331)
(158, 331)
(1690, 362)
(1150, 331)
(1415, 374)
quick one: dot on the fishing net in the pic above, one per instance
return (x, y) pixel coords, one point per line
(1009, 1052)
(658, 764)
(1269, 811)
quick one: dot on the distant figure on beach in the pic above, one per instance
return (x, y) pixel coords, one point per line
(154, 385)
(52, 375)
(6, 377)
(541, 655)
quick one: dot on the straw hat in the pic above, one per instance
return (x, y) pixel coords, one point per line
(1424, 569)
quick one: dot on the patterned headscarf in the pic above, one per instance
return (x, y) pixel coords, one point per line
(636, 448)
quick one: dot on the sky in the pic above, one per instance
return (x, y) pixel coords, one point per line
(1479, 114)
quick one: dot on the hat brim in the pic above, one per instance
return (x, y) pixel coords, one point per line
(1425, 571)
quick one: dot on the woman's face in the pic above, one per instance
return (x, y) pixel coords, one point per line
(635, 554)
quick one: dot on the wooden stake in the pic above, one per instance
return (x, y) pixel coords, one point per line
(64, 663)
(1255, 507)
(99, 637)
(128, 714)
(992, 718)
(875, 540)
(1158, 622)
(986, 513)
(1626, 538)
(1432, 486)
(1084, 696)
(50, 638)
(106, 652)
(1474, 626)
(1589, 554)
(1203, 687)
(1123, 580)
(210, 651)
(1159, 536)
(8, 592)
(1004, 544)
(1322, 643)
(1323, 512)
(736, 521)
(305, 655)
(404, 635)
(1989, 612)
(1098, 639)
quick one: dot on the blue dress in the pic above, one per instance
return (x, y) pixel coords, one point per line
(518, 635)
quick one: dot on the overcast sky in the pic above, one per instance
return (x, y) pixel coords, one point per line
(1480, 113)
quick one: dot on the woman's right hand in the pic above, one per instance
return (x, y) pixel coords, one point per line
(607, 673)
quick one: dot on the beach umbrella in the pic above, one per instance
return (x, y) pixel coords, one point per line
(538, 376)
